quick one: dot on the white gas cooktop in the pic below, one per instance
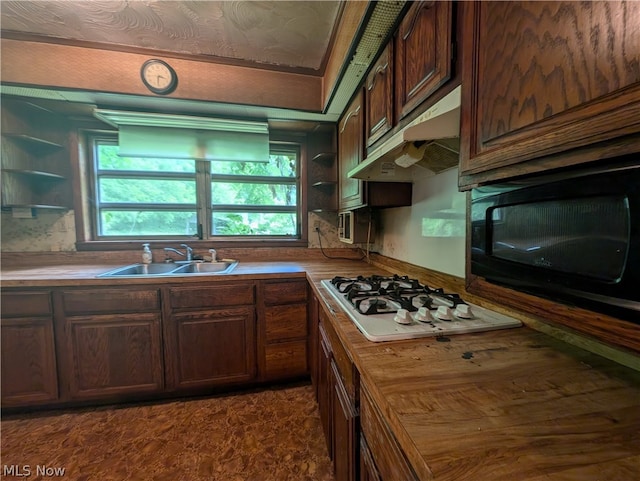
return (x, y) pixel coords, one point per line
(440, 318)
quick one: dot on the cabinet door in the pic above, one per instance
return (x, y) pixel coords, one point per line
(542, 78)
(368, 470)
(29, 374)
(324, 390)
(350, 154)
(344, 430)
(212, 347)
(379, 96)
(423, 53)
(113, 355)
(386, 455)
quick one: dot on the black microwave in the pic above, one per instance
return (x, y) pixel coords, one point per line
(572, 236)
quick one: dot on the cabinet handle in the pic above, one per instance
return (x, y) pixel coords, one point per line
(353, 113)
(412, 24)
(381, 69)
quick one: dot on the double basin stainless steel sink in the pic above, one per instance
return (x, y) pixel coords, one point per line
(157, 269)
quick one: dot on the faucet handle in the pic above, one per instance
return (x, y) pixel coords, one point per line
(189, 251)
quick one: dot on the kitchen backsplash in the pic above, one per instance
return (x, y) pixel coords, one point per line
(428, 234)
(431, 232)
(55, 232)
(49, 231)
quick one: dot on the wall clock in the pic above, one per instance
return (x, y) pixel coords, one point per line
(158, 76)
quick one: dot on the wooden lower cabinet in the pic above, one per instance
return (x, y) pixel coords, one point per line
(283, 331)
(109, 342)
(213, 347)
(210, 335)
(113, 355)
(29, 371)
(368, 470)
(383, 459)
(337, 402)
(323, 391)
(344, 427)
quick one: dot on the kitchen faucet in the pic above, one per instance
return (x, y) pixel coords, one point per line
(187, 254)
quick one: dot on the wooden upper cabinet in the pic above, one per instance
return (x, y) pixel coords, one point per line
(351, 152)
(423, 55)
(543, 78)
(379, 95)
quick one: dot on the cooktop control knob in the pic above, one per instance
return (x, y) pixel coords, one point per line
(443, 313)
(423, 315)
(402, 317)
(463, 311)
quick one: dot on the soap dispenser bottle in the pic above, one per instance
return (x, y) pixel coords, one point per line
(147, 256)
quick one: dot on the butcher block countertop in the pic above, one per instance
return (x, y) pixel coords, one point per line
(512, 405)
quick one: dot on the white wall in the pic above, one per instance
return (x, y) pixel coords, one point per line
(431, 232)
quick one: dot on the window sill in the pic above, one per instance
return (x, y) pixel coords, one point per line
(196, 244)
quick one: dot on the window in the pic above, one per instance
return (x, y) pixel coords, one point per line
(148, 198)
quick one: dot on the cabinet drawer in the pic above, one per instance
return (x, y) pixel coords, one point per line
(212, 296)
(340, 356)
(286, 359)
(286, 322)
(26, 304)
(290, 292)
(388, 456)
(86, 301)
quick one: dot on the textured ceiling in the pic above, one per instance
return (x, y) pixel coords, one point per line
(292, 34)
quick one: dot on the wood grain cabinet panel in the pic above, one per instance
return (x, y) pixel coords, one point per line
(385, 453)
(345, 446)
(113, 355)
(423, 54)
(210, 335)
(231, 294)
(29, 370)
(283, 329)
(213, 347)
(379, 96)
(350, 153)
(368, 470)
(85, 301)
(547, 84)
(29, 373)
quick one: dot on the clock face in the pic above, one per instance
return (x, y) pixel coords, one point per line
(158, 76)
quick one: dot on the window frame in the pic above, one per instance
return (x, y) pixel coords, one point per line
(86, 212)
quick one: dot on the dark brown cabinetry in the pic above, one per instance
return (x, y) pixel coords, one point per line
(29, 371)
(379, 96)
(283, 329)
(110, 342)
(337, 395)
(355, 193)
(35, 157)
(547, 84)
(382, 460)
(210, 336)
(423, 54)
(350, 154)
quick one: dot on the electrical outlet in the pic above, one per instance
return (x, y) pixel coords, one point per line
(316, 226)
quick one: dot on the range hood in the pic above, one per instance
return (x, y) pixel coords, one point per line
(430, 143)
